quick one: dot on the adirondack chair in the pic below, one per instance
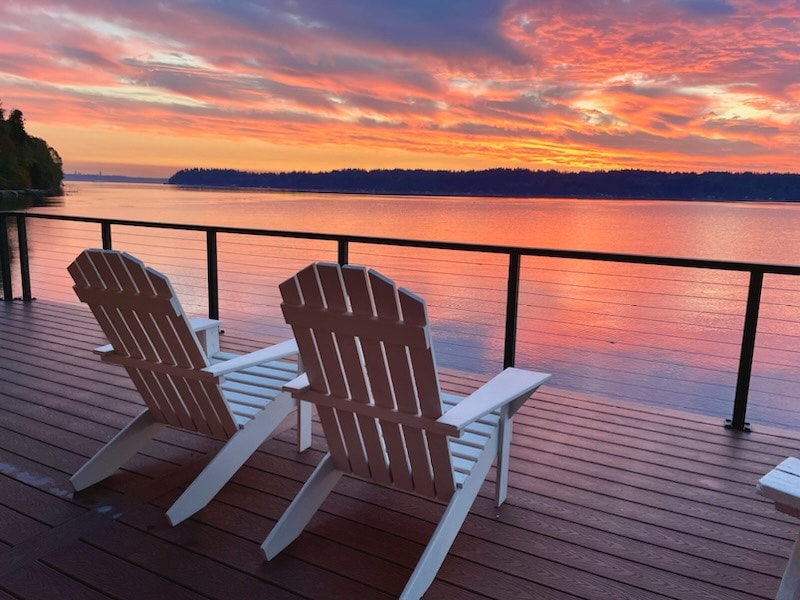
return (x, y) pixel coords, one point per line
(782, 486)
(185, 381)
(370, 371)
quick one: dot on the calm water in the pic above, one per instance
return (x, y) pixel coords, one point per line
(762, 232)
(662, 335)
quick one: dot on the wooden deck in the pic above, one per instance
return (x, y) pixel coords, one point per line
(606, 500)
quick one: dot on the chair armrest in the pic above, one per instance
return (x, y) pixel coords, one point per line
(201, 323)
(298, 384)
(268, 354)
(509, 386)
(207, 332)
(782, 486)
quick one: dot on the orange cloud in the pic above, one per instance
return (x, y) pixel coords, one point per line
(308, 84)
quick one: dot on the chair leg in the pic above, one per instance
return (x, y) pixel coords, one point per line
(117, 451)
(449, 526)
(790, 584)
(303, 425)
(503, 452)
(230, 458)
(305, 504)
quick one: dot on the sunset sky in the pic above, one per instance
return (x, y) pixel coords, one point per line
(138, 87)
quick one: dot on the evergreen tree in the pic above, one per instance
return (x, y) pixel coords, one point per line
(27, 162)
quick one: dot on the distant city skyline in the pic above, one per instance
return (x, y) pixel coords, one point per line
(148, 88)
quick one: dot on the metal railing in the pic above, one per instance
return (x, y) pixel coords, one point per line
(756, 273)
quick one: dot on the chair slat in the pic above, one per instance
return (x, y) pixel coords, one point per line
(118, 332)
(122, 270)
(361, 302)
(292, 297)
(428, 395)
(290, 292)
(359, 433)
(326, 346)
(107, 274)
(140, 382)
(209, 409)
(387, 307)
(350, 451)
(162, 397)
(159, 349)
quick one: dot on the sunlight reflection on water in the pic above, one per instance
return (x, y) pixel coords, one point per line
(654, 334)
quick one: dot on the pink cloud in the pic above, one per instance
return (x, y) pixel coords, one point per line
(572, 83)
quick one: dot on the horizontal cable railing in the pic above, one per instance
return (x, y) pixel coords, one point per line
(670, 331)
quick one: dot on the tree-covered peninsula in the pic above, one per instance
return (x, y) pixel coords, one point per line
(27, 163)
(627, 184)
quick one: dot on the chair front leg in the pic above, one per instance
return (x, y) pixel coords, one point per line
(790, 584)
(449, 526)
(505, 428)
(230, 459)
(305, 504)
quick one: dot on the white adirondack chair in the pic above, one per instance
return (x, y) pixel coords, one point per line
(183, 378)
(370, 370)
(782, 486)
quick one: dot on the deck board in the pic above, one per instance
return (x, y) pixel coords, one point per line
(607, 499)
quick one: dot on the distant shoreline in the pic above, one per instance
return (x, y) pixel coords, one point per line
(510, 183)
(113, 178)
(493, 183)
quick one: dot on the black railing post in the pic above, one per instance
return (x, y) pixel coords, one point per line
(24, 264)
(343, 253)
(105, 233)
(738, 421)
(213, 275)
(512, 307)
(5, 260)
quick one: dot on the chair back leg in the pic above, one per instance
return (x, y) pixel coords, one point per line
(117, 451)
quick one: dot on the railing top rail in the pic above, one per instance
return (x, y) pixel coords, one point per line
(721, 265)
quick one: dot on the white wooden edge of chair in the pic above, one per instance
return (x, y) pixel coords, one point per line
(280, 350)
(782, 486)
(509, 385)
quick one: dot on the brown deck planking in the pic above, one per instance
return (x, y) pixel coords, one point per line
(608, 499)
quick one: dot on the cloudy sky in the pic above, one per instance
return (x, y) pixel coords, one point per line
(146, 87)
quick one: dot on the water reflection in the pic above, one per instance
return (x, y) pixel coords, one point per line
(15, 201)
(664, 335)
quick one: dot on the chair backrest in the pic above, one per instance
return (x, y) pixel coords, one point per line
(151, 337)
(366, 348)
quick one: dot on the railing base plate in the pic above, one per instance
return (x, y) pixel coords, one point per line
(729, 425)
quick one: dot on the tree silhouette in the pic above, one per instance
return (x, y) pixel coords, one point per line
(629, 183)
(27, 162)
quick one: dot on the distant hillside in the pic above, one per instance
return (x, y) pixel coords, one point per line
(514, 182)
(113, 178)
(27, 162)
